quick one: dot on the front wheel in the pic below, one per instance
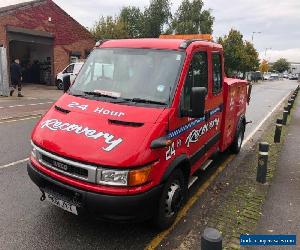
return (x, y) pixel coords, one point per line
(238, 140)
(171, 200)
(60, 85)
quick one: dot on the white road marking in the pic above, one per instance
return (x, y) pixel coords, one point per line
(14, 163)
(24, 105)
(264, 120)
(21, 119)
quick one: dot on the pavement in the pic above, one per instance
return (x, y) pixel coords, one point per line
(281, 212)
(36, 101)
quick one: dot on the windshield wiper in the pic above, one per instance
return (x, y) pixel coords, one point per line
(141, 100)
(73, 94)
(99, 94)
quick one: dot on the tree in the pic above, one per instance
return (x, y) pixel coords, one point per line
(133, 19)
(109, 28)
(240, 55)
(156, 17)
(250, 58)
(191, 19)
(233, 46)
(264, 66)
(281, 65)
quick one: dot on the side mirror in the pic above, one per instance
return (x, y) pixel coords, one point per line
(66, 83)
(197, 104)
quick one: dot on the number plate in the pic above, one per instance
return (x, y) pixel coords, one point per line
(62, 204)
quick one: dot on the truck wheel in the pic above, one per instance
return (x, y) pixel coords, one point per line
(172, 198)
(238, 140)
(60, 85)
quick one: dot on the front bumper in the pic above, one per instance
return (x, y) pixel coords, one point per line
(113, 207)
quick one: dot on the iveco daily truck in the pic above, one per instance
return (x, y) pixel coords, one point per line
(142, 117)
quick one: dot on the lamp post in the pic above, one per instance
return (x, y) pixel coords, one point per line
(266, 49)
(255, 32)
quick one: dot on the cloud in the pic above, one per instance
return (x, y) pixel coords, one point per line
(292, 55)
(277, 20)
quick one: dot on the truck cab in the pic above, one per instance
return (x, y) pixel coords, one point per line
(142, 117)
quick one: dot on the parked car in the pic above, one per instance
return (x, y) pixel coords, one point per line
(72, 70)
(293, 77)
(136, 127)
(267, 77)
(274, 76)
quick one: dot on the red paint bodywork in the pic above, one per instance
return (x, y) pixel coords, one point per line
(135, 151)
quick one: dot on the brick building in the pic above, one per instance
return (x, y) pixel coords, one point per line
(41, 32)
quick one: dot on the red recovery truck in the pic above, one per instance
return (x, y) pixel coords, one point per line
(142, 117)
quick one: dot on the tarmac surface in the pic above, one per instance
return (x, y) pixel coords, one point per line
(27, 223)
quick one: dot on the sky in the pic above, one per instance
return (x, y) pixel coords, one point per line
(277, 21)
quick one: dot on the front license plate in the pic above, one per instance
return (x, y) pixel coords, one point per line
(62, 204)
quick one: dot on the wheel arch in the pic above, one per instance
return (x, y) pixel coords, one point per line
(181, 162)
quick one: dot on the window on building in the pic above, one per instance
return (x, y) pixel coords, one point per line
(217, 73)
(197, 76)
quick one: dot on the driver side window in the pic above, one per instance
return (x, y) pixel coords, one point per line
(197, 76)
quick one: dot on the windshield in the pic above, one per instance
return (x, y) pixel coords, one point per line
(134, 75)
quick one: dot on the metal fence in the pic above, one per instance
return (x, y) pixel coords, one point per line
(4, 83)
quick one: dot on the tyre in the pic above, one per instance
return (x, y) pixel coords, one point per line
(238, 140)
(60, 85)
(173, 197)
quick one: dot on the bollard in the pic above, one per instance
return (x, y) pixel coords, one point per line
(286, 109)
(284, 117)
(293, 101)
(289, 107)
(262, 167)
(278, 129)
(211, 239)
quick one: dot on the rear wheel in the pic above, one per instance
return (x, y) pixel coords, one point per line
(238, 140)
(171, 200)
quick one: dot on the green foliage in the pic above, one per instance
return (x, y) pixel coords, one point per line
(133, 19)
(281, 65)
(206, 22)
(156, 16)
(156, 19)
(191, 19)
(240, 55)
(250, 58)
(109, 28)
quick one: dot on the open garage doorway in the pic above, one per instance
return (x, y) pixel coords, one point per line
(35, 51)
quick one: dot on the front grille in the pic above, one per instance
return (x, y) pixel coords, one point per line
(74, 169)
(65, 167)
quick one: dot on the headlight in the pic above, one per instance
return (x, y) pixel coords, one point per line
(123, 177)
(112, 177)
(34, 152)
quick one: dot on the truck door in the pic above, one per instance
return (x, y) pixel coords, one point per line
(215, 102)
(195, 137)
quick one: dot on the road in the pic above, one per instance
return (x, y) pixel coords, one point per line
(27, 223)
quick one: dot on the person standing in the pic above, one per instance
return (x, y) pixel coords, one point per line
(16, 77)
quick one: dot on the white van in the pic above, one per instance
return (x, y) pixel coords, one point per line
(72, 70)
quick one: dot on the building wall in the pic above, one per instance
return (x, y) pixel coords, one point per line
(295, 68)
(69, 34)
